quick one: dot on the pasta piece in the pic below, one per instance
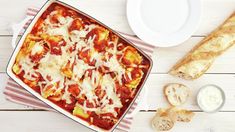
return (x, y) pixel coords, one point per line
(51, 90)
(76, 25)
(100, 38)
(66, 70)
(78, 111)
(131, 56)
(16, 69)
(136, 76)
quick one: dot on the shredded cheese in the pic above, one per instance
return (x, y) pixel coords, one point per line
(37, 48)
(50, 67)
(115, 66)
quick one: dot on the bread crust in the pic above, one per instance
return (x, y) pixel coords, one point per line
(165, 119)
(198, 60)
(162, 121)
(180, 115)
(173, 96)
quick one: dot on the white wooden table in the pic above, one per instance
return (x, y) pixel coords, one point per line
(20, 118)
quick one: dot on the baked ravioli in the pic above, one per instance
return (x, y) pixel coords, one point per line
(81, 66)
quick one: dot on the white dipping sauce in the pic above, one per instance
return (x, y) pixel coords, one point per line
(210, 98)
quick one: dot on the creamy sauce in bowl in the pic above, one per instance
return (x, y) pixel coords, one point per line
(210, 98)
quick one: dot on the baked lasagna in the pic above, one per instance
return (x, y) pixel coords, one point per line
(81, 66)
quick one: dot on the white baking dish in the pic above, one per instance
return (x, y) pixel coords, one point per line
(59, 109)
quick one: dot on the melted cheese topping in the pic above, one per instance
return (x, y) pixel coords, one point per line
(27, 65)
(115, 66)
(37, 48)
(79, 69)
(108, 85)
(62, 29)
(50, 67)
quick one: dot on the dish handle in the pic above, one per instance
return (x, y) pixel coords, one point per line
(17, 29)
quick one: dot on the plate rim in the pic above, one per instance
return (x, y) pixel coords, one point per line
(190, 26)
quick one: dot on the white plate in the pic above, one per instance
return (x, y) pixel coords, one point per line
(163, 23)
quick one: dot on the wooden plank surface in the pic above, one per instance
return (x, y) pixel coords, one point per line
(112, 13)
(38, 121)
(202, 122)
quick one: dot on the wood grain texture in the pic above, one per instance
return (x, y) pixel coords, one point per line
(5, 52)
(37, 121)
(112, 13)
(202, 122)
(213, 13)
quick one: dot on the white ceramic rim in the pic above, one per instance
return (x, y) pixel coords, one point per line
(159, 40)
(16, 29)
(141, 99)
(223, 96)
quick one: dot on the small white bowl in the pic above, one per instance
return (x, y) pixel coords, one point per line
(219, 107)
(163, 23)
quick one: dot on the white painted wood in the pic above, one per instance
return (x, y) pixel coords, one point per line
(155, 85)
(214, 12)
(113, 14)
(37, 121)
(5, 52)
(219, 122)
(13, 11)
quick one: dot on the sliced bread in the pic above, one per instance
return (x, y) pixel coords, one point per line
(161, 121)
(176, 94)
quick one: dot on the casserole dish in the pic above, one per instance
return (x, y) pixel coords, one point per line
(79, 66)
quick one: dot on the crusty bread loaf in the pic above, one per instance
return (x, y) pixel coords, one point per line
(201, 57)
(176, 94)
(161, 121)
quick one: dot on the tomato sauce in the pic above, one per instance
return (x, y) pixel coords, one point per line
(101, 44)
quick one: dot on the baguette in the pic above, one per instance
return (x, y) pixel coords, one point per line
(201, 57)
(176, 94)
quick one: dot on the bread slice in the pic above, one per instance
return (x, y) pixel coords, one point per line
(184, 115)
(176, 94)
(180, 115)
(165, 119)
(161, 121)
